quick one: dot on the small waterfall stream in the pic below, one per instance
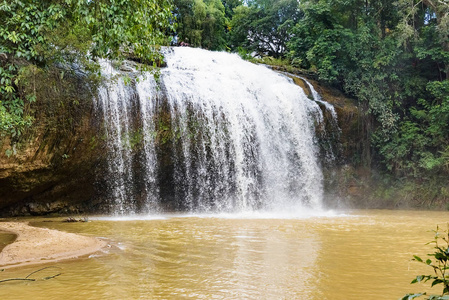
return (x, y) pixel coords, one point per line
(329, 137)
(212, 133)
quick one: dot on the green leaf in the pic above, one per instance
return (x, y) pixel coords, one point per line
(418, 278)
(440, 256)
(436, 281)
(9, 89)
(417, 258)
(412, 296)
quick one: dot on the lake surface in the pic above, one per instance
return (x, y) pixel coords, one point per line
(340, 255)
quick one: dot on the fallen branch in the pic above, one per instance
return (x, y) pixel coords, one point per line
(42, 270)
(27, 278)
(11, 279)
(50, 277)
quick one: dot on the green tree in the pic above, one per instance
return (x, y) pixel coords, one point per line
(214, 27)
(424, 19)
(42, 33)
(229, 6)
(201, 23)
(264, 26)
(392, 57)
(355, 52)
(420, 146)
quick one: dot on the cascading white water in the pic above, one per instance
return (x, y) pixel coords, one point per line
(329, 155)
(241, 138)
(113, 101)
(329, 139)
(118, 102)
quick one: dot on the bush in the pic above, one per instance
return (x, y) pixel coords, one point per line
(439, 264)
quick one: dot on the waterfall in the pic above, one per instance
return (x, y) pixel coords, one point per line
(113, 101)
(210, 133)
(328, 131)
(329, 138)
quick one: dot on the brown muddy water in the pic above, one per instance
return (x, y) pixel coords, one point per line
(339, 255)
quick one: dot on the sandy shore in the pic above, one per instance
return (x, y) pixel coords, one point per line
(41, 245)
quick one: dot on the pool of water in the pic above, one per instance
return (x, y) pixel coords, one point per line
(341, 255)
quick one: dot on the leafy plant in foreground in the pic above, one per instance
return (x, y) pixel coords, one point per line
(439, 264)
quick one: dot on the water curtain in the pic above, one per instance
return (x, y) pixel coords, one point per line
(210, 133)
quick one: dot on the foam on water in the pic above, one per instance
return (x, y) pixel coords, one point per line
(249, 215)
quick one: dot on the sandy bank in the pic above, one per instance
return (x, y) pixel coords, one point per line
(41, 245)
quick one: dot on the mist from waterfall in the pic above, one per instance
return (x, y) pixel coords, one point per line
(210, 133)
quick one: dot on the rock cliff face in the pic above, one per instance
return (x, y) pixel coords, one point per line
(59, 165)
(53, 166)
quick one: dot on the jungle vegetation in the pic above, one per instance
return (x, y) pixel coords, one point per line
(40, 36)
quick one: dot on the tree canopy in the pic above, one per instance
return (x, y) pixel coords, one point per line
(264, 27)
(201, 23)
(42, 33)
